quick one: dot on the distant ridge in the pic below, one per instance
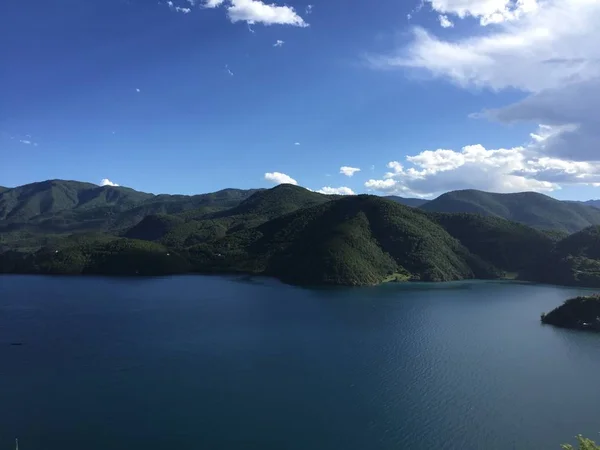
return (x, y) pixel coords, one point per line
(530, 208)
(407, 201)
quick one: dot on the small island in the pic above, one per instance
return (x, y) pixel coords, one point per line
(579, 313)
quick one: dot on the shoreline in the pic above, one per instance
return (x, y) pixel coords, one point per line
(301, 285)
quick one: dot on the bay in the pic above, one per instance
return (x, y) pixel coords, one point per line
(246, 363)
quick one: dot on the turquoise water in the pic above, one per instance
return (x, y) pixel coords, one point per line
(237, 363)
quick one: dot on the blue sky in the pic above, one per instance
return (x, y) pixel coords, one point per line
(195, 96)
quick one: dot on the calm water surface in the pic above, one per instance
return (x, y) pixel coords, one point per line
(232, 363)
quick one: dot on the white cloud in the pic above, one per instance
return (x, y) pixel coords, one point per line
(546, 49)
(107, 182)
(228, 70)
(25, 141)
(349, 171)
(475, 167)
(279, 178)
(487, 11)
(296, 143)
(192, 2)
(445, 22)
(137, 90)
(336, 191)
(556, 45)
(179, 8)
(309, 9)
(278, 43)
(256, 11)
(213, 3)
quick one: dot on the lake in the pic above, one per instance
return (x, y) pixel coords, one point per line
(198, 362)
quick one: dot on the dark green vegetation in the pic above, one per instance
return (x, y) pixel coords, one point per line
(34, 215)
(288, 232)
(354, 240)
(580, 313)
(573, 261)
(530, 208)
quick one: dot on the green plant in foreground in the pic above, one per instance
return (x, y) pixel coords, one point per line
(582, 444)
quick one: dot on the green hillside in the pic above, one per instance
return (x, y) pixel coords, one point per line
(530, 208)
(351, 241)
(50, 197)
(99, 255)
(275, 202)
(294, 234)
(30, 214)
(255, 210)
(575, 261)
(510, 246)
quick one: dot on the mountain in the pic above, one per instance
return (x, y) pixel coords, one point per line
(594, 203)
(26, 202)
(31, 213)
(412, 202)
(277, 201)
(187, 229)
(295, 234)
(530, 208)
(350, 241)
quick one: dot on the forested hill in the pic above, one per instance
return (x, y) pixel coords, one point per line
(530, 208)
(289, 232)
(60, 206)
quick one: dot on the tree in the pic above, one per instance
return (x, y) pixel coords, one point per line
(582, 444)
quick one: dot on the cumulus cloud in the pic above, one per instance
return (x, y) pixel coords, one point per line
(445, 22)
(279, 178)
(343, 190)
(256, 11)
(525, 168)
(349, 171)
(546, 49)
(278, 43)
(107, 182)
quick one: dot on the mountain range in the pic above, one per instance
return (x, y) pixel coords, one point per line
(297, 235)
